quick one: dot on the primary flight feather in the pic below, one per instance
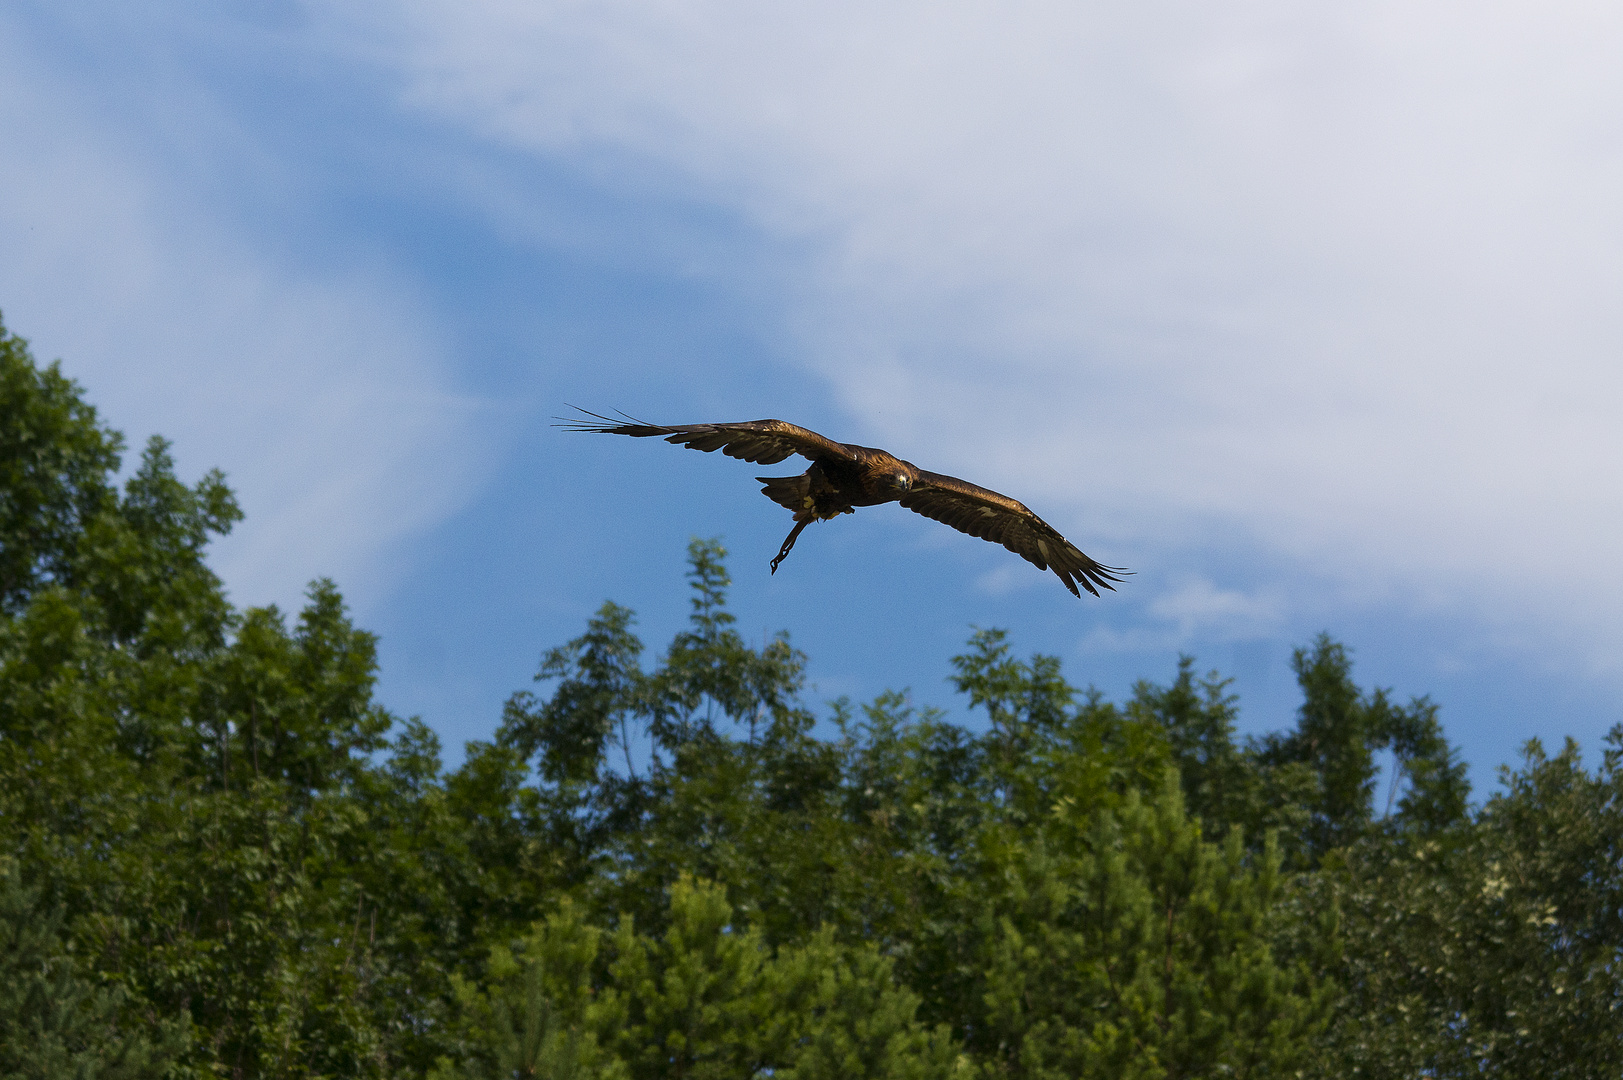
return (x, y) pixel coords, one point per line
(843, 476)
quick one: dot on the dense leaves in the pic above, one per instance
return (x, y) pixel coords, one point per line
(219, 856)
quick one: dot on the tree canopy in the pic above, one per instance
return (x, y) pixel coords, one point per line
(221, 856)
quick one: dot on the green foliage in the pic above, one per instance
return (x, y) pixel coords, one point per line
(706, 998)
(1146, 953)
(711, 999)
(1325, 770)
(238, 864)
(55, 460)
(537, 1011)
(1493, 951)
(53, 1023)
(1220, 785)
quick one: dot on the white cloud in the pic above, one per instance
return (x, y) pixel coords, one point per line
(1343, 277)
(323, 395)
(1005, 579)
(1195, 609)
(1197, 605)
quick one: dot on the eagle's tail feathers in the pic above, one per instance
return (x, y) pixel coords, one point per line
(789, 492)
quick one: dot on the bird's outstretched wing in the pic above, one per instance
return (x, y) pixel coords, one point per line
(765, 442)
(979, 512)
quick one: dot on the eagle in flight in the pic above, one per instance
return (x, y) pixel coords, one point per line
(843, 477)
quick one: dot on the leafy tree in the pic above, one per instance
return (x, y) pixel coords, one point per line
(181, 781)
(1324, 772)
(55, 459)
(1494, 952)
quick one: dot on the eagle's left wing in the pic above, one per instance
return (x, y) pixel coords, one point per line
(765, 442)
(981, 512)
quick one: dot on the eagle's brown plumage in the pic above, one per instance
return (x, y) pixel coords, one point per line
(843, 476)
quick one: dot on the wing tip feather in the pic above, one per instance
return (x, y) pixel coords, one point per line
(600, 424)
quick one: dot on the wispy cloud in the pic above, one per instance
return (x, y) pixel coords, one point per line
(1343, 277)
(322, 392)
(1195, 609)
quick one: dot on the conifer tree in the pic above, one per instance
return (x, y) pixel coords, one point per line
(54, 1025)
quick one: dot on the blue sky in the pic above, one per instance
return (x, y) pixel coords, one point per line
(1310, 317)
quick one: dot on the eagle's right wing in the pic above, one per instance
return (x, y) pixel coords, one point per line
(993, 516)
(765, 442)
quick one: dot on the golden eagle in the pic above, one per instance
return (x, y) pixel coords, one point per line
(843, 477)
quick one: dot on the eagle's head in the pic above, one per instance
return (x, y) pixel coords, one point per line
(900, 481)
